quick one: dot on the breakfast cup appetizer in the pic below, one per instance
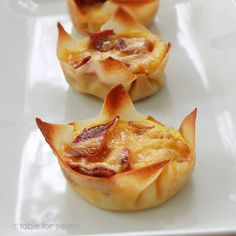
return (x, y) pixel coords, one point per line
(92, 14)
(122, 160)
(123, 52)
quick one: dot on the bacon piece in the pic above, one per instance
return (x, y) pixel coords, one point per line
(90, 142)
(98, 171)
(149, 45)
(101, 170)
(95, 131)
(125, 160)
(99, 40)
(139, 128)
(121, 44)
(81, 62)
(132, 46)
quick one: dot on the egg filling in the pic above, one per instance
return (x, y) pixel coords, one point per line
(103, 150)
(139, 54)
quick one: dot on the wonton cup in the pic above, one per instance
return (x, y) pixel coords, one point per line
(92, 16)
(140, 72)
(144, 187)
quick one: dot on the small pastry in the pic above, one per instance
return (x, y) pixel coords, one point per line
(123, 52)
(122, 160)
(92, 14)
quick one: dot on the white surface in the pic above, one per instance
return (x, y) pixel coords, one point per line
(201, 73)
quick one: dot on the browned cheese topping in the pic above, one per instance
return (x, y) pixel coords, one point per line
(118, 146)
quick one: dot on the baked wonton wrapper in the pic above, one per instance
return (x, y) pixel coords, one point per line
(122, 160)
(123, 52)
(93, 14)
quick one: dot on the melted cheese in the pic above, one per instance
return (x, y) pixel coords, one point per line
(141, 62)
(148, 142)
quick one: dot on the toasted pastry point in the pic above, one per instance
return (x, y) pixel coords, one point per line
(122, 160)
(91, 15)
(122, 52)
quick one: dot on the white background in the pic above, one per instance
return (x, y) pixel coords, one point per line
(201, 73)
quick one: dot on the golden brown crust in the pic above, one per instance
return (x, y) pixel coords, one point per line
(109, 63)
(118, 101)
(123, 17)
(98, 76)
(93, 17)
(123, 22)
(122, 192)
(136, 189)
(107, 68)
(187, 128)
(55, 135)
(65, 42)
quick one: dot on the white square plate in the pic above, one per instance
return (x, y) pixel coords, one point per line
(201, 73)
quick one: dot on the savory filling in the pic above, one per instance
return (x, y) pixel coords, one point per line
(138, 53)
(119, 146)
